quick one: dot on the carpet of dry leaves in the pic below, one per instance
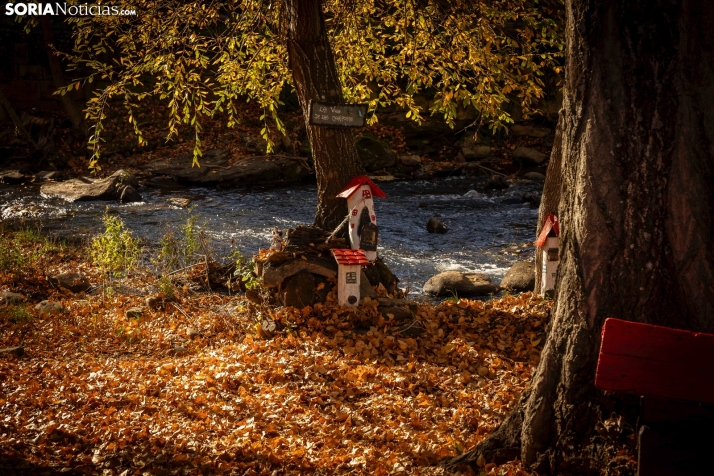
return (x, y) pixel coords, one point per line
(193, 388)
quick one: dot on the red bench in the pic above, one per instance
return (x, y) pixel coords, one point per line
(673, 370)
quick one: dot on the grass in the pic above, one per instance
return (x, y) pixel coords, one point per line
(15, 314)
(23, 252)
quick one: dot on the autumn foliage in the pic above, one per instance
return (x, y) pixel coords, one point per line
(191, 387)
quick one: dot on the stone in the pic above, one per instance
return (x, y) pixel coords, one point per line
(216, 170)
(134, 313)
(365, 288)
(473, 169)
(192, 332)
(526, 154)
(48, 307)
(379, 273)
(476, 152)
(179, 202)
(382, 178)
(274, 275)
(48, 175)
(257, 145)
(521, 277)
(154, 302)
(435, 225)
(11, 176)
(530, 131)
(411, 329)
(473, 194)
(398, 313)
(532, 198)
(387, 301)
(129, 194)
(462, 284)
(73, 282)
(7, 298)
(300, 290)
(413, 161)
(373, 153)
(534, 176)
(180, 350)
(460, 159)
(426, 172)
(472, 150)
(497, 182)
(87, 189)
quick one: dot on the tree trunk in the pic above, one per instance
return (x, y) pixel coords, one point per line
(74, 114)
(315, 78)
(636, 209)
(551, 193)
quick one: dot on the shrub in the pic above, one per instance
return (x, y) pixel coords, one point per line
(116, 250)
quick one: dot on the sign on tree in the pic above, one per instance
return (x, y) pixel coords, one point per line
(337, 115)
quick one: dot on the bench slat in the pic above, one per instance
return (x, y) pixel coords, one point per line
(656, 361)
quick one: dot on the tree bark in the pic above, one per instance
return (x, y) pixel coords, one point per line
(550, 202)
(74, 114)
(636, 208)
(315, 78)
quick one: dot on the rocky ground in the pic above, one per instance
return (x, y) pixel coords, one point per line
(395, 148)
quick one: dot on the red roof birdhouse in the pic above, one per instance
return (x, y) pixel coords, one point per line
(364, 233)
(356, 183)
(349, 270)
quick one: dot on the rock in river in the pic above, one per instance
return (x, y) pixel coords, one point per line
(11, 176)
(529, 155)
(435, 225)
(86, 188)
(521, 277)
(215, 169)
(462, 284)
(129, 194)
(497, 182)
(534, 176)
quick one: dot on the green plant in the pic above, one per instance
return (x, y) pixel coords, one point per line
(115, 250)
(166, 286)
(24, 250)
(453, 298)
(191, 235)
(178, 251)
(244, 270)
(18, 314)
(12, 260)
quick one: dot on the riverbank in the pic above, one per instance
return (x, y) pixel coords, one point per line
(110, 381)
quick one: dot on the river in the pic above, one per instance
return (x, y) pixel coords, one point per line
(488, 232)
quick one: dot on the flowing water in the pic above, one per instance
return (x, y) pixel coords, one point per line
(488, 232)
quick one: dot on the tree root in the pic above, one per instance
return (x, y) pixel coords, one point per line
(501, 446)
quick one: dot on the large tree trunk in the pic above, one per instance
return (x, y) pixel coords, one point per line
(636, 208)
(315, 77)
(551, 193)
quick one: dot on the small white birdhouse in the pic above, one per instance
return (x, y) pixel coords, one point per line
(548, 241)
(349, 269)
(362, 219)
